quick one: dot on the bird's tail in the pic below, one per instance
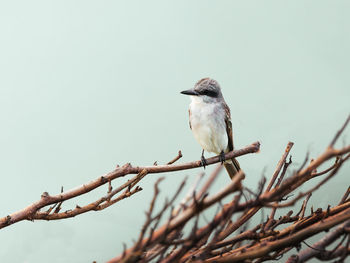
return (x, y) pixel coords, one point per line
(232, 167)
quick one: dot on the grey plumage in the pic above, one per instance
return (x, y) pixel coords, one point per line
(210, 120)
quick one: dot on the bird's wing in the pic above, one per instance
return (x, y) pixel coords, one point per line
(228, 127)
(232, 167)
(189, 115)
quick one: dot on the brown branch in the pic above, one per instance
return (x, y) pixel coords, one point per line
(209, 182)
(95, 206)
(304, 175)
(273, 210)
(301, 194)
(46, 199)
(215, 240)
(320, 246)
(303, 208)
(345, 196)
(265, 237)
(190, 212)
(279, 165)
(99, 204)
(179, 155)
(293, 239)
(251, 212)
(337, 135)
(270, 240)
(188, 195)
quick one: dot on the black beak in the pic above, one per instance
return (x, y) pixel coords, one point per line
(190, 92)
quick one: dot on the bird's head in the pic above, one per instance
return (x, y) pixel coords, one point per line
(206, 90)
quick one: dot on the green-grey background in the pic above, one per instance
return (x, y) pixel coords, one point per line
(86, 85)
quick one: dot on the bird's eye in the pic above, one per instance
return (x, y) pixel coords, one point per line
(209, 93)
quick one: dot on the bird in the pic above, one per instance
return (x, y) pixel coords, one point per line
(210, 122)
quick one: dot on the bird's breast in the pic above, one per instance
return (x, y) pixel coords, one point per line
(208, 126)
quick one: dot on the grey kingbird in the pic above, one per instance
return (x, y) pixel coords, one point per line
(210, 122)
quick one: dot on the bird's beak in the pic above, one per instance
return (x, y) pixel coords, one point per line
(190, 92)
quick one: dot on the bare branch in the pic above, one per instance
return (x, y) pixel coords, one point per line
(320, 246)
(279, 165)
(216, 240)
(337, 135)
(29, 213)
(179, 155)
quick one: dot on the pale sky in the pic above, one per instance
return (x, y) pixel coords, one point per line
(86, 85)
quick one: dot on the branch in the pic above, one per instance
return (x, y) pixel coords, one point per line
(290, 240)
(33, 211)
(189, 213)
(216, 240)
(320, 247)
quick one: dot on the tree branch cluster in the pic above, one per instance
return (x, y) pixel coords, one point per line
(227, 237)
(52, 203)
(176, 233)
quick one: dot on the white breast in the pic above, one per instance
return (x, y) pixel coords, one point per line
(208, 125)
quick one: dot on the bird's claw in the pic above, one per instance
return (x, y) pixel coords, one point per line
(203, 161)
(222, 157)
